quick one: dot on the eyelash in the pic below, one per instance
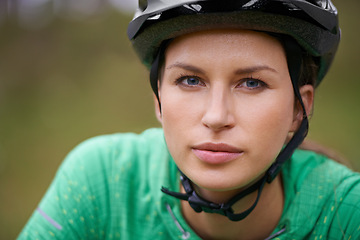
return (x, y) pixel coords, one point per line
(182, 77)
(258, 80)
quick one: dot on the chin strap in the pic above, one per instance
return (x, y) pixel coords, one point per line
(294, 60)
(199, 204)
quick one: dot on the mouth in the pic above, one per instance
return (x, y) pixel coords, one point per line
(216, 153)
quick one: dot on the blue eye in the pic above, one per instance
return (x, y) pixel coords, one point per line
(252, 83)
(191, 81)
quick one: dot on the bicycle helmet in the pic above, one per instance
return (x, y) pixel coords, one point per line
(304, 26)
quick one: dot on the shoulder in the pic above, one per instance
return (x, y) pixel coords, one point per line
(119, 141)
(121, 161)
(310, 166)
(106, 150)
(347, 209)
(93, 186)
(307, 169)
(321, 194)
(103, 160)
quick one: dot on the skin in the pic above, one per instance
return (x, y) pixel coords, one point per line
(229, 87)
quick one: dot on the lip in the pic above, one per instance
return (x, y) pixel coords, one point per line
(216, 153)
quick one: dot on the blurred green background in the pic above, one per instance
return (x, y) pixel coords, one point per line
(76, 77)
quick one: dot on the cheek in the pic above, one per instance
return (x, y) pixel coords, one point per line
(176, 111)
(180, 110)
(177, 120)
(269, 122)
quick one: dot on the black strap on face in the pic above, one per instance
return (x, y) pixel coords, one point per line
(294, 60)
(154, 73)
(155, 68)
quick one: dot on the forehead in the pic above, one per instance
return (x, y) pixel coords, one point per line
(231, 45)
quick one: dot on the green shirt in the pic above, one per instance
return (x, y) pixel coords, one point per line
(109, 188)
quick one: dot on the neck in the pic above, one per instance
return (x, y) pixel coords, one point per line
(258, 225)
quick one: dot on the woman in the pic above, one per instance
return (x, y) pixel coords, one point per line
(233, 86)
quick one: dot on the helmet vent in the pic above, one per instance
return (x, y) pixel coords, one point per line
(319, 3)
(155, 17)
(143, 4)
(194, 7)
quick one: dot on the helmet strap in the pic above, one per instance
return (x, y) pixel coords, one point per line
(199, 204)
(294, 60)
(154, 73)
(155, 69)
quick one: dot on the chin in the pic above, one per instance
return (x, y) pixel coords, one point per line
(219, 182)
(223, 179)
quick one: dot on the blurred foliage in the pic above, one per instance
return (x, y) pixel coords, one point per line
(76, 79)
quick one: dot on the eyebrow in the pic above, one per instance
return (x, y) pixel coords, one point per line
(188, 67)
(238, 71)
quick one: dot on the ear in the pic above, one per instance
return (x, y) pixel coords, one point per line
(307, 95)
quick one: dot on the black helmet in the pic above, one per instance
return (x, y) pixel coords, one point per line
(309, 26)
(312, 23)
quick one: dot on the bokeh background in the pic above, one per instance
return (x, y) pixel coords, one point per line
(67, 73)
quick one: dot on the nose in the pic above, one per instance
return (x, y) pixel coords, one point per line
(219, 111)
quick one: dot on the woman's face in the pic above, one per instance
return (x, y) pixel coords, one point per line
(227, 106)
